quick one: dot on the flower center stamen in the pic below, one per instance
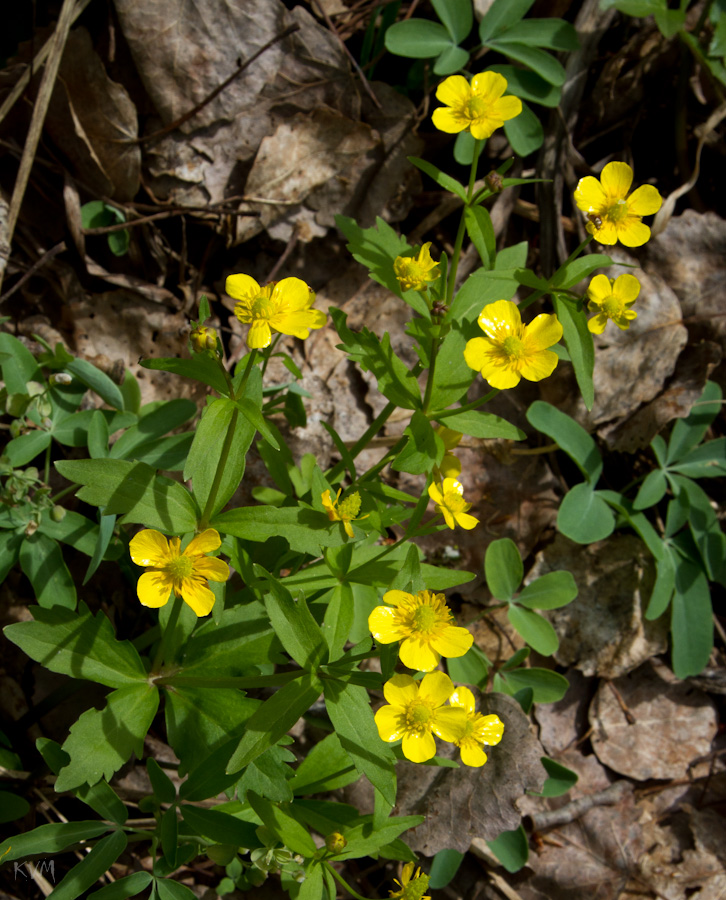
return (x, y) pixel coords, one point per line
(263, 307)
(476, 107)
(181, 567)
(424, 619)
(618, 211)
(513, 347)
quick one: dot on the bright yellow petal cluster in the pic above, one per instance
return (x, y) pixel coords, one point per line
(417, 712)
(613, 215)
(450, 503)
(423, 624)
(412, 886)
(345, 511)
(512, 351)
(612, 299)
(478, 107)
(282, 306)
(186, 573)
(414, 272)
(450, 466)
(479, 729)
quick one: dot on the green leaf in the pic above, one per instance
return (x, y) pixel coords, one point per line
(257, 420)
(101, 741)
(312, 887)
(208, 779)
(168, 889)
(98, 435)
(548, 686)
(480, 424)
(464, 148)
(511, 848)
(452, 376)
(297, 630)
(305, 530)
(502, 14)
(451, 60)
(221, 827)
(423, 449)
(47, 839)
(269, 775)
(161, 784)
(665, 583)
(444, 867)
(571, 437)
(131, 392)
(200, 368)
(550, 591)
(638, 8)
(350, 712)
(417, 38)
(503, 568)
(74, 529)
(123, 888)
(584, 517)
(365, 841)
(689, 432)
(206, 452)
(395, 380)
(524, 132)
(554, 34)
(97, 381)
(457, 16)
(326, 767)
(104, 535)
(691, 620)
(134, 489)
(22, 450)
(338, 619)
(541, 62)
(42, 561)
(478, 290)
(471, 668)
(527, 85)
(705, 461)
(704, 526)
(287, 829)
(78, 645)
(18, 365)
(274, 719)
(481, 233)
(578, 341)
(200, 720)
(12, 807)
(99, 860)
(652, 490)
(572, 272)
(153, 425)
(441, 178)
(560, 779)
(536, 630)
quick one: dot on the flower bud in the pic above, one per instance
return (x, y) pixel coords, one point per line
(335, 842)
(203, 338)
(31, 528)
(494, 182)
(58, 513)
(60, 378)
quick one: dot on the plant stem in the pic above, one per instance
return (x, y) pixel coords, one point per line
(252, 681)
(268, 353)
(362, 441)
(435, 341)
(473, 405)
(168, 633)
(343, 882)
(462, 224)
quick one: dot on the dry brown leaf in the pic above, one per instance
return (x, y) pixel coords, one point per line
(93, 121)
(464, 803)
(673, 724)
(603, 632)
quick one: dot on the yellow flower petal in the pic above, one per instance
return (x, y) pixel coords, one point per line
(298, 323)
(390, 722)
(196, 594)
(616, 179)
(490, 729)
(435, 494)
(400, 690)
(453, 641)
(644, 201)
(449, 723)
(540, 365)
(241, 287)
(472, 753)
(589, 195)
(454, 91)
(542, 332)
(476, 354)
(507, 108)
(596, 324)
(606, 234)
(396, 597)
(418, 654)
(448, 120)
(632, 233)
(294, 293)
(499, 374)
(154, 589)
(436, 688)
(464, 520)
(599, 288)
(500, 318)
(259, 335)
(149, 548)
(206, 542)
(419, 747)
(489, 86)
(212, 568)
(625, 288)
(383, 626)
(464, 698)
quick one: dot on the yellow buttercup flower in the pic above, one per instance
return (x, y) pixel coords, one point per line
(412, 886)
(417, 712)
(450, 503)
(424, 626)
(478, 107)
(282, 306)
(612, 299)
(613, 215)
(479, 729)
(450, 466)
(186, 573)
(512, 351)
(345, 511)
(414, 272)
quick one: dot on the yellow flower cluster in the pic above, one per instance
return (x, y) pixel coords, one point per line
(478, 107)
(415, 272)
(345, 511)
